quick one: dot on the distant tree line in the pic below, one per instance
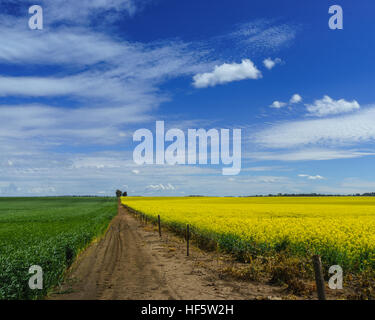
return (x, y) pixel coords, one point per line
(367, 194)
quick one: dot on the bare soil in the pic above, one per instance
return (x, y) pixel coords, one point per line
(131, 262)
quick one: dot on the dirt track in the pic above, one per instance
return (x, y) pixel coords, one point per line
(131, 262)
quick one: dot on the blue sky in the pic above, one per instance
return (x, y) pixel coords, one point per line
(72, 94)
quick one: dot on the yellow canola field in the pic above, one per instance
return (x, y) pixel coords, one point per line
(340, 229)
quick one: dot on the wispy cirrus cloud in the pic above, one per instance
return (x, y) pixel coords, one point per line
(85, 125)
(116, 68)
(340, 130)
(345, 136)
(264, 168)
(309, 177)
(265, 35)
(109, 83)
(255, 39)
(308, 154)
(80, 12)
(94, 88)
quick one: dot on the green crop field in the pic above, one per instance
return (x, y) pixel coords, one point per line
(48, 232)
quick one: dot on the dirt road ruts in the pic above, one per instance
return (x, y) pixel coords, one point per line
(131, 262)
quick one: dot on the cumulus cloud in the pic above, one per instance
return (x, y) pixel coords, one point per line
(227, 72)
(328, 106)
(269, 63)
(317, 177)
(278, 104)
(296, 98)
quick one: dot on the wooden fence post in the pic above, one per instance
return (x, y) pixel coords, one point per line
(187, 239)
(319, 279)
(159, 225)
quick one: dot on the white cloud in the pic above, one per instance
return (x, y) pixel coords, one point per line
(308, 154)
(278, 104)
(269, 63)
(262, 35)
(227, 72)
(135, 171)
(83, 125)
(161, 187)
(107, 171)
(340, 130)
(97, 162)
(81, 12)
(328, 106)
(121, 89)
(317, 177)
(261, 179)
(109, 77)
(296, 98)
(264, 168)
(123, 75)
